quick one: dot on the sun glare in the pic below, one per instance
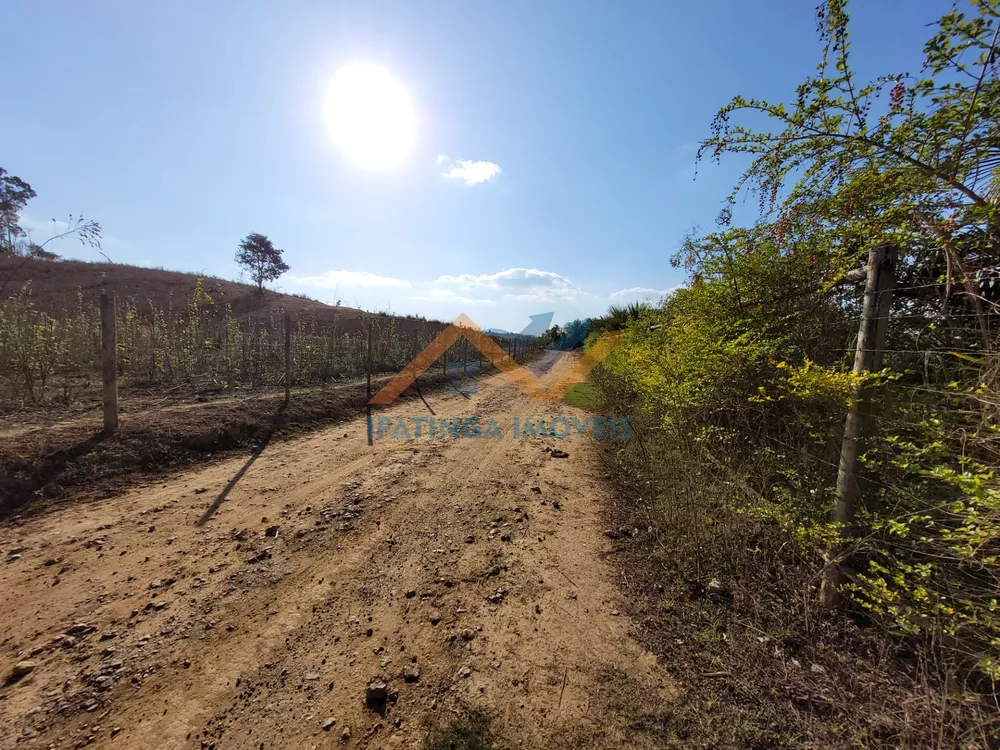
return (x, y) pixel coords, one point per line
(370, 116)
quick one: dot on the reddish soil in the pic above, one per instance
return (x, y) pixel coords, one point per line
(56, 287)
(185, 614)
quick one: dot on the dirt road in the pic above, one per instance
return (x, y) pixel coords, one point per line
(462, 573)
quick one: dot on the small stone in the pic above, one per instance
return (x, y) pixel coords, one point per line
(435, 620)
(410, 594)
(328, 723)
(201, 490)
(556, 453)
(376, 696)
(312, 676)
(271, 531)
(464, 672)
(411, 673)
(468, 634)
(537, 490)
(21, 669)
(346, 734)
(817, 669)
(556, 505)
(78, 629)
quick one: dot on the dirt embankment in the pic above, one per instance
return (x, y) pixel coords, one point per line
(44, 460)
(331, 594)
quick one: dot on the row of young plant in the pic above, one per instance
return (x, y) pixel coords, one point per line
(743, 378)
(43, 357)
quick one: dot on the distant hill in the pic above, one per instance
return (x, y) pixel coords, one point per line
(55, 287)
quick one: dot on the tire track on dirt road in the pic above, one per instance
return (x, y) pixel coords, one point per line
(461, 573)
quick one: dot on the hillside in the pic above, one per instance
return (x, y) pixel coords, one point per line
(55, 286)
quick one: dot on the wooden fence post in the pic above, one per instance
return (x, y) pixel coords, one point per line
(109, 362)
(288, 358)
(879, 284)
(368, 405)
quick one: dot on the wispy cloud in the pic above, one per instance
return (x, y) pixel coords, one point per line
(470, 172)
(641, 292)
(39, 230)
(447, 295)
(529, 284)
(333, 279)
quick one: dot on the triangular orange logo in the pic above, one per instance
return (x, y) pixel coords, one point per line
(521, 377)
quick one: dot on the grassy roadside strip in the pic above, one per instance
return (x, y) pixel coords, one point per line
(730, 612)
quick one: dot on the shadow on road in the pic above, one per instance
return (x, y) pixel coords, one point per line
(276, 424)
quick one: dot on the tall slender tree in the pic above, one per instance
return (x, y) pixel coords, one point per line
(14, 194)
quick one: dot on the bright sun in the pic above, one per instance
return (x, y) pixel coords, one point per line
(370, 116)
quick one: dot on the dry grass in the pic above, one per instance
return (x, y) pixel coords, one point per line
(470, 731)
(56, 287)
(725, 603)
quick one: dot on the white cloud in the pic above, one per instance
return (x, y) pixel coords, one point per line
(529, 284)
(333, 279)
(38, 230)
(446, 295)
(470, 172)
(641, 292)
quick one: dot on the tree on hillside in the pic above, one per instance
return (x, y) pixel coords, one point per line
(261, 258)
(14, 194)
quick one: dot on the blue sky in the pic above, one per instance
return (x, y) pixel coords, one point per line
(183, 126)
